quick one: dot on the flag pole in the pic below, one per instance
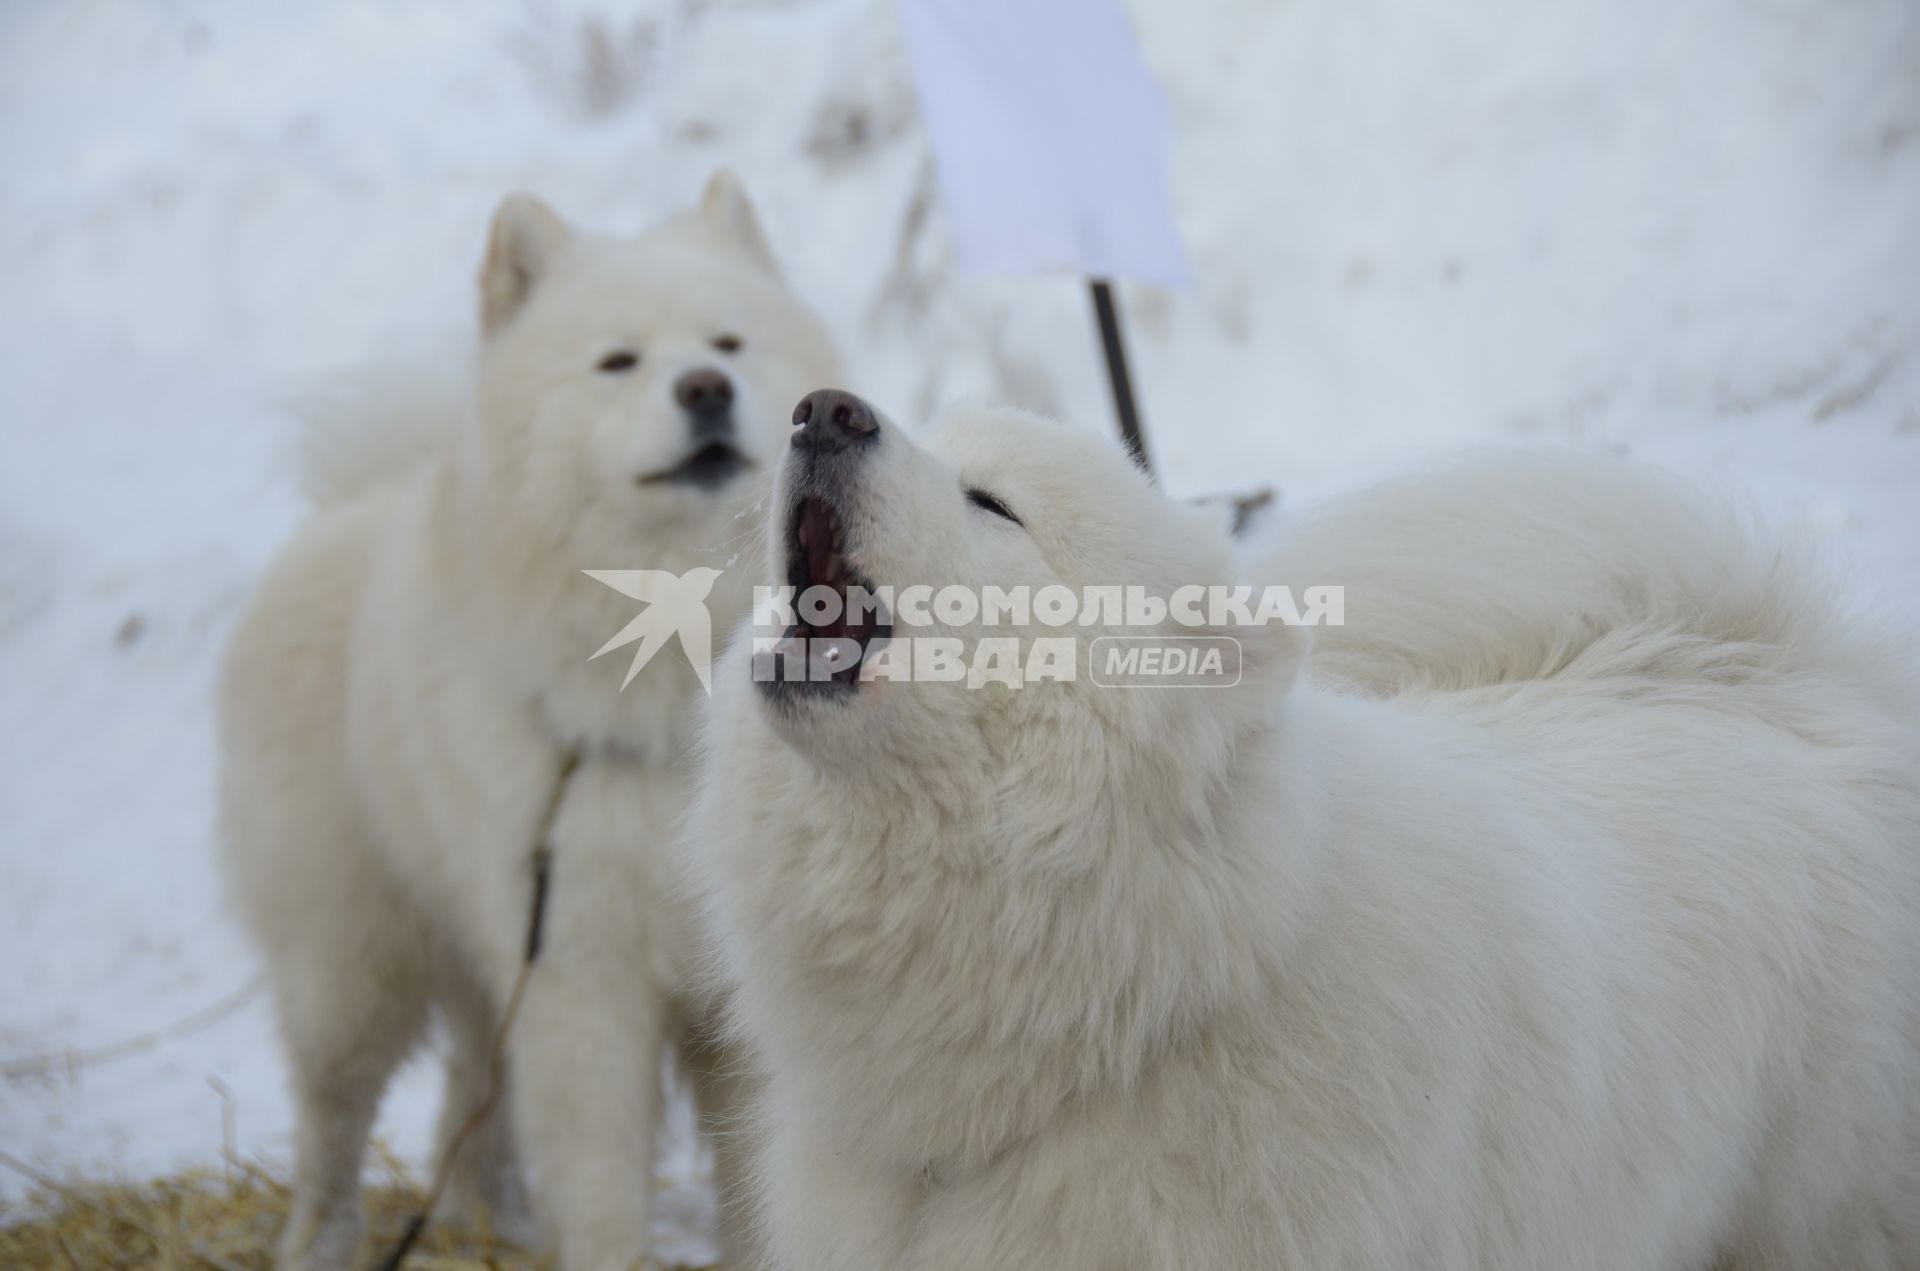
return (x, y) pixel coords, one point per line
(1116, 352)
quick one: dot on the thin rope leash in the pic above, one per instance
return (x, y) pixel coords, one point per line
(542, 863)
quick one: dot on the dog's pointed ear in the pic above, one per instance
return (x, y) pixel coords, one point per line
(728, 211)
(526, 236)
(1271, 658)
(1272, 635)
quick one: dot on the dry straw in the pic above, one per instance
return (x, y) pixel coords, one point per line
(207, 1220)
(222, 1220)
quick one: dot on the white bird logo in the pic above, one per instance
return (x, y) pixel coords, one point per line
(676, 606)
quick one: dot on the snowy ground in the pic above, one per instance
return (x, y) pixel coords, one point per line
(1692, 230)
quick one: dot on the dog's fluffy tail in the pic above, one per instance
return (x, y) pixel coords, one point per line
(366, 430)
(1521, 565)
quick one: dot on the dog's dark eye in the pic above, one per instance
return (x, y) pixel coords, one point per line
(981, 499)
(727, 343)
(619, 360)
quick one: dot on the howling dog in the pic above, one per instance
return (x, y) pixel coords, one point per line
(1559, 912)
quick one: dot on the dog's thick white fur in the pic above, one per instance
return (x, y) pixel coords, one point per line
(1564, 914)
(397, 701)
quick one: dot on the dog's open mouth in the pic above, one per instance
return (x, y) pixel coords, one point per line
(835, 631)
(708, 468)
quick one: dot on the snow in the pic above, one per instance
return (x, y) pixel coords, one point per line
(1688, 230)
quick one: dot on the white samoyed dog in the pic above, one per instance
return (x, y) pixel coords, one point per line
(1564, 915)
(397, 702)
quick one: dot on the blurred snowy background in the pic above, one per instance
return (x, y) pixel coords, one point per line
(1692, 230)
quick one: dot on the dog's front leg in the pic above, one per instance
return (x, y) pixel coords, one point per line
(583, 1064)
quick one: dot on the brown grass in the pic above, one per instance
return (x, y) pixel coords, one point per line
(205, 1220)
(222, 1220)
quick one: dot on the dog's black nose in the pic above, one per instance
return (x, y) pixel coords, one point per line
(832, 419)
(704, 392)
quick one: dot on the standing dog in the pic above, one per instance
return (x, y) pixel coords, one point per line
(1567, 920)
(398, 700)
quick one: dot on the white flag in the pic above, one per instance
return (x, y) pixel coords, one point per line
(1050, 137)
